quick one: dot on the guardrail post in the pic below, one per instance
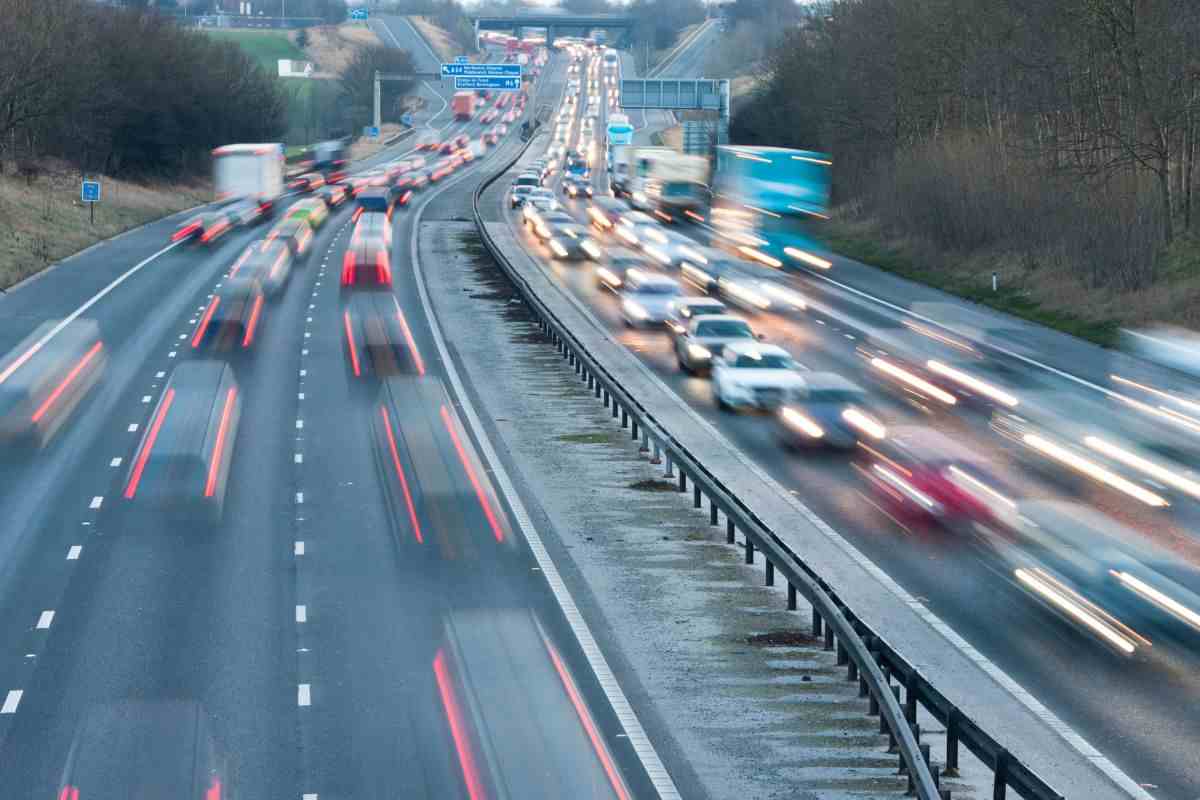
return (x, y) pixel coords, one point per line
(657, 458)
(910, 699)
(842, 657)
(863, 689)
(1000, 784)
(730, 531)
(591, 381)
(851, 671)
(669, 471)
(597, 387)
(645, 448)
(749, 551)
(682, 480)
(892, 744)
(951, 770)
(606, 398)
(828, 638)
(697, 500)
(634, 428)
(791, 596)
(712, 511)
(817, 622)
(624, 418)
(770, 572)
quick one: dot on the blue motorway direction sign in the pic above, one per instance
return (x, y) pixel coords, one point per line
(497, 84)
(481, 70)
(370, 131)
(359, 13)
(90, 193)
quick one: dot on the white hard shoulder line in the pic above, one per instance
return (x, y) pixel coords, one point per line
(1034, 706)
(640, 742)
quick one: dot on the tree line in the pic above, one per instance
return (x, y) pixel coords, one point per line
(124, 91)
(1064, 131)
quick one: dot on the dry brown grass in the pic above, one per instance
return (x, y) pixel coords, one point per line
(363, 147)
(45, 222)
(330, 47)
(437, 37)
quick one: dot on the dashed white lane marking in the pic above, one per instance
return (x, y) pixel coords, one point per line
(300, 395)
(304, 352)
(116, 462)
(307, 334)
(304, 695)
(182, 336)
(74, 551)
(300, 498)
(11, 701)
(303, 372)
(848, 336)
(299, 424)
(97, 501)
(160, 374)
(171, 354)
(298, 548)
(45, 619)
(145, 398)
(298, 458)
(310, 319)
(132, 427)
(309, 796)
(301, 613)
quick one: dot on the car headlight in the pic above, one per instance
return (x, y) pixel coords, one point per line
(699, 352)
(589, 247)
(802, 423)
(636, 310)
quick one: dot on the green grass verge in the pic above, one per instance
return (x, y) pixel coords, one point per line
(870, 251)
(267, 47)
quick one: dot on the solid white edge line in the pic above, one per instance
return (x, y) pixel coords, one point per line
(1032, 704)
(643, 748)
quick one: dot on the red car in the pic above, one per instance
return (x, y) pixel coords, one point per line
(448, 147)
(366, 262)
(922, 476)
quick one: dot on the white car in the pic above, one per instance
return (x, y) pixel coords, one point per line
(646, 298)
(751, 374)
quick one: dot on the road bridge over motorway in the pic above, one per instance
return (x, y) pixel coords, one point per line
(555, 24)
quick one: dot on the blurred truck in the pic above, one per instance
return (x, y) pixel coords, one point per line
(660, 179)
(775, 179)
(329, 159)
(463, 105)
(249, 172)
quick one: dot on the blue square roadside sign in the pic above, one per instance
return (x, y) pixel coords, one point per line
(90, 193)
(370, 131)
(359, 13)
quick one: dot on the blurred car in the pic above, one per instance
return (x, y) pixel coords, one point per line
(378, 340)
(1098, 576)
(575, 186)
(541, 222)
(537, 206)
(605, 212)
(334, 194)
(311, 209)
(488, 117)
(669, 248)
(203, 228)
(517, 195)
(447, 147)
(429, 143)
(703, 267)
(569, 241)
(632, 226)
(646, 298)
(441, 171)
(379, 199)
(750, 374)
(686, 308)
(489, 137)
(706, 335)
(232, 317)
(920, 475)
(308, 182)
(830, 412)
(267, 261)
(296, 233)
(616, 266)
(140, 748)
(367, 260)
(43, 380)
(183, 460)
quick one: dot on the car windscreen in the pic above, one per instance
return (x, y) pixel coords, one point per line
(657, 289)
(835, 396)
(724, 328)
(764, 361)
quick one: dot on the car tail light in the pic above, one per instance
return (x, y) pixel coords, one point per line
(347, 269)
(383, 272)
(185, 231)
(404, 198)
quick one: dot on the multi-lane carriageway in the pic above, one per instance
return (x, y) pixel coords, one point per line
(1136, 712)
(280, 627)
(364, 620)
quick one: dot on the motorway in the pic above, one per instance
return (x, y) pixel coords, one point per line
(342, 631)
(1137, 713)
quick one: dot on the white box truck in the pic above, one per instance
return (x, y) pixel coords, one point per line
(249, 172)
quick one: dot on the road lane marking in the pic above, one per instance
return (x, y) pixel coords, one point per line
(299, 424)
(301, 613)
(299, 458)
(45, 619)
(133, 426)
(299, 498)
(73, 552)
(171, 354)
(298, 548)
(11, 701)
(300, 395)
(116, 462)
(304, 695)
(145, 398)
(97, 501)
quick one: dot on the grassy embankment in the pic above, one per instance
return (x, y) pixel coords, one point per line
(45, 221)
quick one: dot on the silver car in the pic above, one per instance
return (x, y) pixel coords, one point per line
(706, 335)
(646, 299)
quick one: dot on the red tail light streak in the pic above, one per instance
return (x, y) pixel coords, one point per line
(458, 728)
(350, 343)
(408, 501)
(71, 376)
(253, 323)
(497, 530)
(203, 326)
(140, 465)
(214, 466)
